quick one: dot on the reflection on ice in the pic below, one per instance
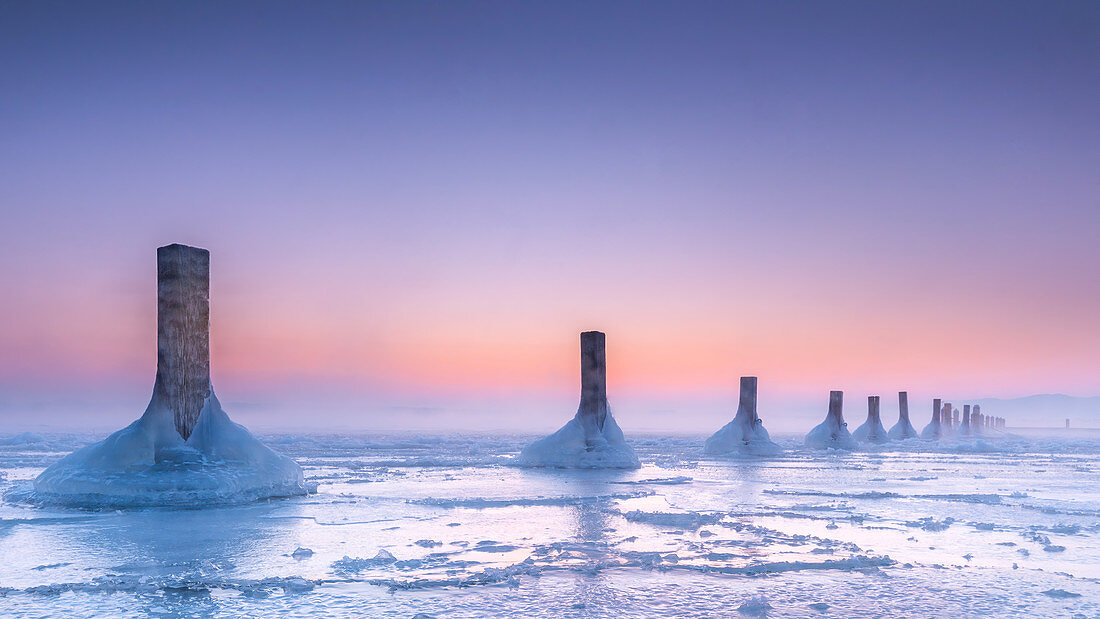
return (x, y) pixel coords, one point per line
(686, 535)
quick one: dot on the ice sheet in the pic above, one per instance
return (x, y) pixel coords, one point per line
(912, 528)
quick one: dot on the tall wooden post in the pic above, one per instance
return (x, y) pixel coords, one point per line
(183, 332)
(593, 409)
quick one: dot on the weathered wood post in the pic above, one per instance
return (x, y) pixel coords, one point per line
(836, 407)
(933, 430)
(833, 432)
(903, 429)
(746, 432)
(872, 429)
(183, 332)
(593, 408)
(747, 400)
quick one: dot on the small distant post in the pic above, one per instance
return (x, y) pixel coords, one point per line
(836, 406)
(747, 400)
(183, 332)
(966, 419)
(903, 406)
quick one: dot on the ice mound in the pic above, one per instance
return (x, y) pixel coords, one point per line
(903, 429)
(970, 426)
(872, 430)
(148, 463)
(746, 433)
(833, 432)
(738, 436)
(591, 439)
(933, 431)
(183, 451)
(831, 435)
(574, 447)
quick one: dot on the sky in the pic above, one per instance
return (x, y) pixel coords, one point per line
(413, 208)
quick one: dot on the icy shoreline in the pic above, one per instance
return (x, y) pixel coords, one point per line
(446, 524)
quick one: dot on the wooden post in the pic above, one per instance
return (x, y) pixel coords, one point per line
(183, 332)
(593, 409)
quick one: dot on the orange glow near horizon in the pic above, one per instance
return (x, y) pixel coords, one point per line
(435, 217)
(528, 351)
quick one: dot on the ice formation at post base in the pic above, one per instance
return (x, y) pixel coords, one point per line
(872, 430)
(949, 421)
(148, 464)
(903, 429)
(833, 432)
(591, 439)
(932, 431)
(184, 451)
(575, 447)
(746, 433)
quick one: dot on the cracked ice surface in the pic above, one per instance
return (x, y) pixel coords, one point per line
(446, 526)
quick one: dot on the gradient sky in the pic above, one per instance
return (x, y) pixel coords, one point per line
(413, 208)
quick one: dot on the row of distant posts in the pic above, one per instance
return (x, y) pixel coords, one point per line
(183, 364)
(947, 420)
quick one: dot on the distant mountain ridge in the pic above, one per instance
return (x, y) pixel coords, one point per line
(1044, 410)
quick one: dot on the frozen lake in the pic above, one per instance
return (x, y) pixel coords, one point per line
(442, 526)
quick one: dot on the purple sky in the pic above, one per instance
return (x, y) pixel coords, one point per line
(413, 208)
